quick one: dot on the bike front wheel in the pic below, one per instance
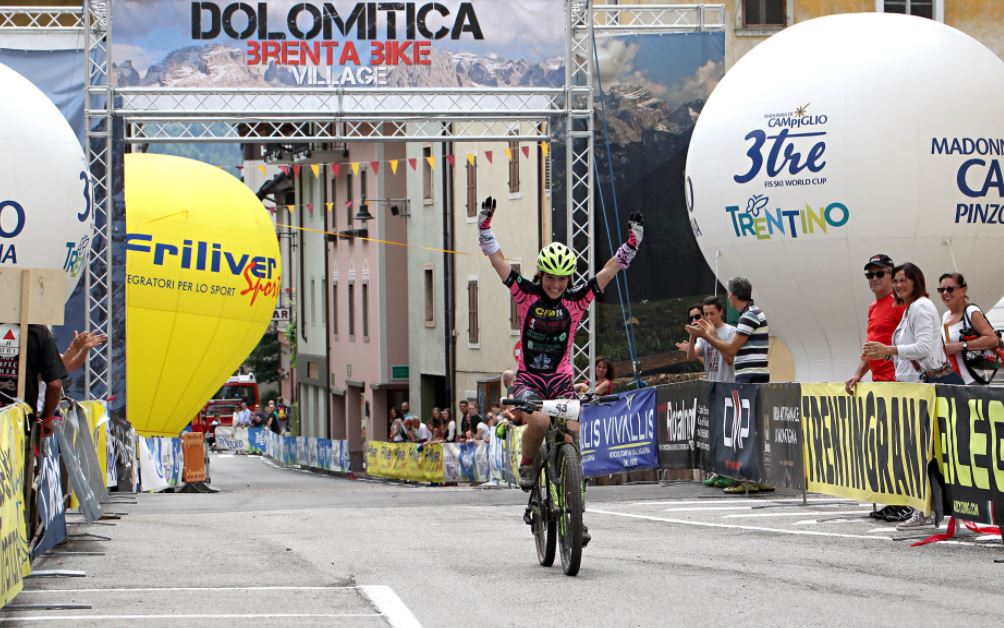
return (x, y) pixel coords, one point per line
(541, 522)
(570, 509)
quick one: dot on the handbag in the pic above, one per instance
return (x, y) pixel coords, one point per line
(983, 364)
(944, 374)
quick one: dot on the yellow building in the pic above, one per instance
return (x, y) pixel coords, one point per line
(748, 22)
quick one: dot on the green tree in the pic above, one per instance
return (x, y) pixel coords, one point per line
(264, 360)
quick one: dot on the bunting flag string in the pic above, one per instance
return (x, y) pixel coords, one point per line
(488, 156)
(376, 167)
(393, 166)
(316, 169)
(413, 163)
(470, 158)
(355, 168)
(452, 159)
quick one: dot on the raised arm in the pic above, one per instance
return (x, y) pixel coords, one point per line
(622, 258)
(486, 239)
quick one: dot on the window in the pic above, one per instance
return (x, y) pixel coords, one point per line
(920, 8)
(472, 188)
(472, 312)
(348, 201)
(352, 311)
(334, 309)
(513, 316)
(430, 297)
(366, 311)
(514, 168)
(763, 12)
(426, 173)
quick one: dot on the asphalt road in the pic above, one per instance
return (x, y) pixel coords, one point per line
(290, 547)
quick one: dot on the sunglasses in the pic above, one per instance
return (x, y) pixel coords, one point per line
(696, 317)
(878, 273)
(948, 289)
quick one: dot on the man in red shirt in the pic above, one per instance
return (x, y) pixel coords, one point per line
(883, 317)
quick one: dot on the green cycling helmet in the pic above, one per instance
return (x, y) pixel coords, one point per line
(556, 259)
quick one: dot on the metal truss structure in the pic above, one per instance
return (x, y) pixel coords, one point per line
(280, 115)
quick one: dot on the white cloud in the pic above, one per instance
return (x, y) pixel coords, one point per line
(616, 60)
(698, 85)
(142, 58)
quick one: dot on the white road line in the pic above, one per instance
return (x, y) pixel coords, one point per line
(707, 508)
(151, 589)
(745, 500)
(28, 618)
(794, 514)
(390, 606)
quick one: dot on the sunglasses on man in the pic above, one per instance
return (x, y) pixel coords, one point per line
(878, 273)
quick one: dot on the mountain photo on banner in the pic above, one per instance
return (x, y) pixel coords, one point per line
(654, 87)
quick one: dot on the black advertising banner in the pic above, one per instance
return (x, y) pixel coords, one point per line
(736, 440)
(969, 450)
(780, 406)
(873, 446)
(683, 415)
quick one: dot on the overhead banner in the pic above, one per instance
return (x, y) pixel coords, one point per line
(735, 433)
(683, 415)
(340, 43)
(874, 446)
(969, 450)
(51, 509)
(620, 436)
(780, 409)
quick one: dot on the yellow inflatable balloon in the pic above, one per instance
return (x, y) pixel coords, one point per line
(202, 279)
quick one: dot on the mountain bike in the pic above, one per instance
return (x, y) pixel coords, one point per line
(554, 510)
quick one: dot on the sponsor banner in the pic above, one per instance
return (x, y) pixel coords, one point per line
(342, 43)
(402, 461)
(232, 438)
(160, 463)
(51, 511)
(735, 437)
(620, 436)
(257, 443)
(969, 450)
(874, 446)
(15, 560)
(98, 419)
(289, 449)
(497, 456)
(780, 406)
(683, 412)
(465, 462)
(86, 480)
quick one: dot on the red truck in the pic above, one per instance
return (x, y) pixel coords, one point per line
(221, 408)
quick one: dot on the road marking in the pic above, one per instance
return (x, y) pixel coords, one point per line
(792, 514)
(28, 618)
(224, 455)
(151, 589)
(390, 606)
(816, 501)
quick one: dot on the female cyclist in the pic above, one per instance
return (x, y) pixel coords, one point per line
(549, 314)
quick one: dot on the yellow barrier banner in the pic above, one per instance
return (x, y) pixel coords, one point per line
(405, 461)
(16, 561)
(431, 464)
(97, 416)
(874, 446)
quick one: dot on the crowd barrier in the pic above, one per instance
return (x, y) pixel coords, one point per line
(438, 463)
(324, 454)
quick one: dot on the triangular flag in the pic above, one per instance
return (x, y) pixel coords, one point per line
(376, 167)
(545, 148)
(261, 169)
(310, 207)
(526, 151)
(348, 203)
(329, 205)
(239, 167)
(488, 156)
(296, 171)
(335, 169)
(508, 153)
(413, 163)
(452, 159)
(289, 208)
(355, 168)
(431, 161)
(316, 169)
(393, 166)
(285, 170)
(270, 209)
(470, 159)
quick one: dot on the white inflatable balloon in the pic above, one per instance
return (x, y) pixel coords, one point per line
(45, 194)
(843, 137)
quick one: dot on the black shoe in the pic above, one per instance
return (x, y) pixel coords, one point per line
(882, 513)
(527, 478)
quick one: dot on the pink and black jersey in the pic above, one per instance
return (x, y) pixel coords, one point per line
(547, 327)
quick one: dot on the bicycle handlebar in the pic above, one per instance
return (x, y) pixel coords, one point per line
(587, 399)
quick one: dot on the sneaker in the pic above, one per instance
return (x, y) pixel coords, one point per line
(742, 488)
(899, 514)
(724, 482)
(711, 481)
(527, 478)
(765, 488)
(884, 512)
(917, 522)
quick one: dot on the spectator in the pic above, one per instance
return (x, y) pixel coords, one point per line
(485, 428)
(259, 417)
(917, 350)
(406, 410)
(283, 417)
(694, 315)
(508, 379)
(242, 418)
(398, 432)
(717, 367)
(437, 430)
(451, 427)
(42, 361)
(604, 378)
(273, 419)
(81, 345)
(748, 349)
(884, 315)
(464, 418)
(963, 315)
(421, 430)
(473, 418)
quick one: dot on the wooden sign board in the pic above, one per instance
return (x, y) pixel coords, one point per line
(35, 296)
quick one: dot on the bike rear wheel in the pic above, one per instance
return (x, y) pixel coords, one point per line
(542, 523)
(570, 508)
